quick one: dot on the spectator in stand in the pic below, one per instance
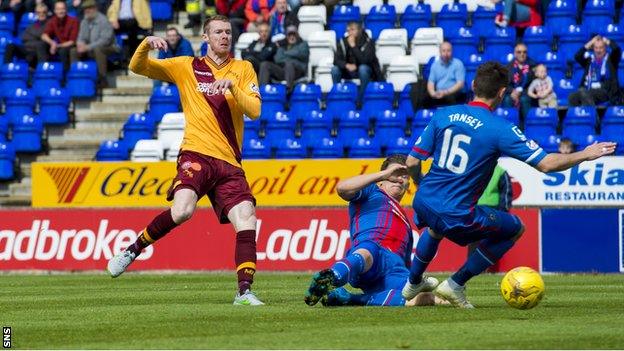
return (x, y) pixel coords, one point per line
(235, 11)
(281, 19)
(32, 49)
(61, 33)
(566, 146)
(177, 45)
(258, 11)
(600, 82)
(291, 60)
(261, 50)
(541, 88)
(194, 10)
(520, 14)
(355, 58)
(521, 75)
(446, 79)
(96, 39)
(131, 17)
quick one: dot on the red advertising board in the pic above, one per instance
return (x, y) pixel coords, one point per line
(288, 239)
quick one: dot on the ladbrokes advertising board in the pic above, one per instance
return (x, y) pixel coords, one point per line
(131, 184)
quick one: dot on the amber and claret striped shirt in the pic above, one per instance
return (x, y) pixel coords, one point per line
(214, 122)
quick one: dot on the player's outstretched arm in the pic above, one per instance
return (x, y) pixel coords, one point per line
(142, 64)
(348, 188)
(556, 162)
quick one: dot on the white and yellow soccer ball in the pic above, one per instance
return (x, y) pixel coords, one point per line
(522, 288)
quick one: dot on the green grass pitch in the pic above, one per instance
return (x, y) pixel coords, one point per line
(193, 311)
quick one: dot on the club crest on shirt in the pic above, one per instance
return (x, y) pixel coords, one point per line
(253, 87)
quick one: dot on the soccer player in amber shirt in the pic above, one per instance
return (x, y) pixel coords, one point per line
(216, 90)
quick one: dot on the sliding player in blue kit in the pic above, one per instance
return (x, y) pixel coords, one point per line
(465, 142)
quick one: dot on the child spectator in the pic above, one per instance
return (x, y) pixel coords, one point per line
(541, 88)
(566, 146)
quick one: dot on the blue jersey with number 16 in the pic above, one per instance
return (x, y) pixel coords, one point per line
(465, 142)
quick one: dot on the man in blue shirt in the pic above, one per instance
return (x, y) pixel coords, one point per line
(177, 45)
(446, 79)
(381, 243)
(465, 142)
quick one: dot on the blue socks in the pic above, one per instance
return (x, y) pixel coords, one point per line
(350, 266)
(425, 251)
(487, 253)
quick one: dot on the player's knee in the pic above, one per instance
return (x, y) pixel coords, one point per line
(243, 216)
(519, 234)
(182, 212)
(435, 235)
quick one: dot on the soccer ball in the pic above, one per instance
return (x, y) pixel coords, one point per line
(522, 288)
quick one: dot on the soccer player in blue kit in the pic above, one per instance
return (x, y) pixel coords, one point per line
(381, 243)
(465, 142)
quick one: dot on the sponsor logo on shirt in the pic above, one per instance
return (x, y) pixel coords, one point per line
(206, 88)
(519, 133)
(202, 73)
(532, 145)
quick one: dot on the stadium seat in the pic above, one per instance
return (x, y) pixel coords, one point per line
(541, 123)
(465, 42)
(137, 127)
(256, 149)
(550, 144)
(426, 43)
(311, 19)
(4, 128)
(147, 150)
(112, 150)
(341, 97)
(598, 13)
(367, 5)
(13, 76)
(244, 40)
(483, 18)
(379, 18)
(280, 126)
(164, 99)
(26, 20)
(252, 127)
(47, 75)
(378, 97)
(305, 97)
(400, 5)
(326, 148)
(323, 76)
(538, 39)
(560, 14)
(436, 5)
(54, 105)
(322, 45)
(7, 160)
(352, 125)
(316, 125)
(499, 41)
(162, 10)
(290, 148)
(613, 32)
(579, 122)
(390, 44)
(416, 16)
(171, 129)
(613, 127)
(27, 133)
(401, 145)
(273, 98)
(4, 41)
(452, 16)
(389, 126)
(6, 24)
(421, 120)
(471, 5)
(174, 150)
(554, 62)
(563, 88)
(18, 104)
(342, 15)
(508, 113)
(81, 79)
(364, 148)
(402, 71)
(405, 101)
(571, 39)
(583, 140)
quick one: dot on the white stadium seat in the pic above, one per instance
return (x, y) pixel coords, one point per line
(401, 5)
(174, 150)
(436, 5)
(391, 43)
(402, 71)
(366, 5)
(471, 5)
(426, 43)
(171, 129)
(323, 75)
(147, 150)
(311, 19)
(322, 45)
(243, 42)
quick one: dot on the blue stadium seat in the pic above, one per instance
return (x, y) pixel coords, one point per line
(252, 126)
(583, 140)
(256, 149)
(452, 16)
(473, 62)
(571, 39)
(380, 18)
(550, 143)
(579, 122)
(614, 113)
(290, 148)
(164, 99)
(327, 148)
(273, 98)
(47, 75)
(563, 88)
(13, 76)
(378, 97)
(137, 127)
(400, 145)
(54, 105)
(560, 14)
(484, 18)
(405, 102)
(20, 103)
(7, 159)
(538, 39)
(280, 126)
(341, 97)
(541, 123)
(465, 42)
(613, 127)
(352, 125)
(421, 120)
(389, 126)
(27, 133)
(162, 10)
(81, 79)
(509, 113)
(499, 41)
(4, 127)
(427, 68)
(4, 41)
(7, 24)
(416, 16)
(554, 62)
(26, 21)
(364, 148)
(112, 150)
(342, 15)
(305, 97)
(613, 32)
(598, 13)
(315, 126)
